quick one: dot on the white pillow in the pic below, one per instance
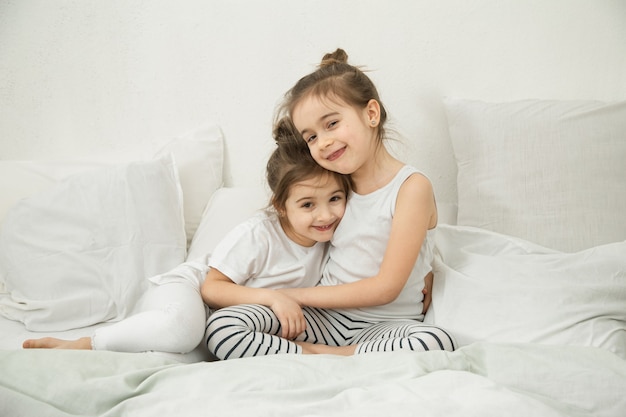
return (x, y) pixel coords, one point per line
(498, 288)
(79, 253)
(21, 179)
(551, 172)
(226, 209)
(198, 156)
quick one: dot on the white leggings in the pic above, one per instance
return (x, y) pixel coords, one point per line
(251, 330)
(171, 318)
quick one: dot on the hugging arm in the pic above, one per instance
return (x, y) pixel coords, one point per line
(415, 213)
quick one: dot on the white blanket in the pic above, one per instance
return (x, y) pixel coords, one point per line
(477, 380)
(498, 288)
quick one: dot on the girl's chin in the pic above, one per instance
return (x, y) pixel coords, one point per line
(337, 167)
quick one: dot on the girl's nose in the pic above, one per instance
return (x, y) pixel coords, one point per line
(324, 213)
(325, 140)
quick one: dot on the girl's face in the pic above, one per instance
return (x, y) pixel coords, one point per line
(340, 137)
(313, 210)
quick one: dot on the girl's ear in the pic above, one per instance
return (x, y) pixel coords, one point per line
(277, 209)
(280, 211)
(372, 109)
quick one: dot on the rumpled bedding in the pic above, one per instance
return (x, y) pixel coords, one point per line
(481, 379)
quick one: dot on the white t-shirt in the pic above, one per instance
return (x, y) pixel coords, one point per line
(359, 244)
(258, 254)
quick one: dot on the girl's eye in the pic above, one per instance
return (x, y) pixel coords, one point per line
(311, 138)
(307, 205)
(332, 124)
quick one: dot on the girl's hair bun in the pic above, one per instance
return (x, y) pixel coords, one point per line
(338, 57)
(285, 132)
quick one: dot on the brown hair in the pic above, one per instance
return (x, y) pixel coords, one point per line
(336, 79)
(291, 162)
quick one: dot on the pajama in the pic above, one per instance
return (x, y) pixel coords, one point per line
(251, 330)
(169, 318)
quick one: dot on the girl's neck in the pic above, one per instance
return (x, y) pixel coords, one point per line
(376, 173)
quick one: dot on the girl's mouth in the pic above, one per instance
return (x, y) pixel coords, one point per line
(324, 228)
(335, 155)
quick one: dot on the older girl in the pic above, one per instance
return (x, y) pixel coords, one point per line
(381, 254)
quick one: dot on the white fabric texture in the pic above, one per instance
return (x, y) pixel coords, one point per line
(199, 157)
(190, 272)
(227, 207)
(484, 379)
(21, 179)
(79, 253)
(497, 288)
(551, 172)
(171, 318)
(199, 161)
(258, 254)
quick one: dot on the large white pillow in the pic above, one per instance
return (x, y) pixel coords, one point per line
(551, 172)
(199, 157)
(79, 253)
(498, 288)
(228, 207)
(199, 160)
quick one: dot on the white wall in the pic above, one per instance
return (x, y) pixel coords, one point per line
(116, 79)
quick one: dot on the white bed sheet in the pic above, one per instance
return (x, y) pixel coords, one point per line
(482, 379)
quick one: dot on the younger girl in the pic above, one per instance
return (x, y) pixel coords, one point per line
(282, 247)
(381, 253)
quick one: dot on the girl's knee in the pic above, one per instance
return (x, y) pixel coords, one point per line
(183, 328)
(433, 338)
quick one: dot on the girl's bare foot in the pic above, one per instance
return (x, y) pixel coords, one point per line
(312, 348)
(54, 343)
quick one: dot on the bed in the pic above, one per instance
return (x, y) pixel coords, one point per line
(530, 278)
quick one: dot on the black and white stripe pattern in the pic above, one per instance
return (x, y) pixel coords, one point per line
(246, 330)
(403, 335)
(251, 330)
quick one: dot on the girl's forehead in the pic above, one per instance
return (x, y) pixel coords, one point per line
(320, 182)
(327, 101)
(312, 109)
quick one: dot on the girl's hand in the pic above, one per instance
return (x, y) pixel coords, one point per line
(427, 291)
(289, 314)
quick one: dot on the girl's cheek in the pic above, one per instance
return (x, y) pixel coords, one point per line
(317, 158)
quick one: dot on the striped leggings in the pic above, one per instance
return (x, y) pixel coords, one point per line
(252, 330)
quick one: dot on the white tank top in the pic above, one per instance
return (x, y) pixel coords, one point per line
(358, 247)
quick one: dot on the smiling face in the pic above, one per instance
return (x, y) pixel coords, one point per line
(313, 210)
(340, 137)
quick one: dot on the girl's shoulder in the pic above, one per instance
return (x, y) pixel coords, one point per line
(261, 222)
(408, 171)
(409, 180)
(416, 196)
